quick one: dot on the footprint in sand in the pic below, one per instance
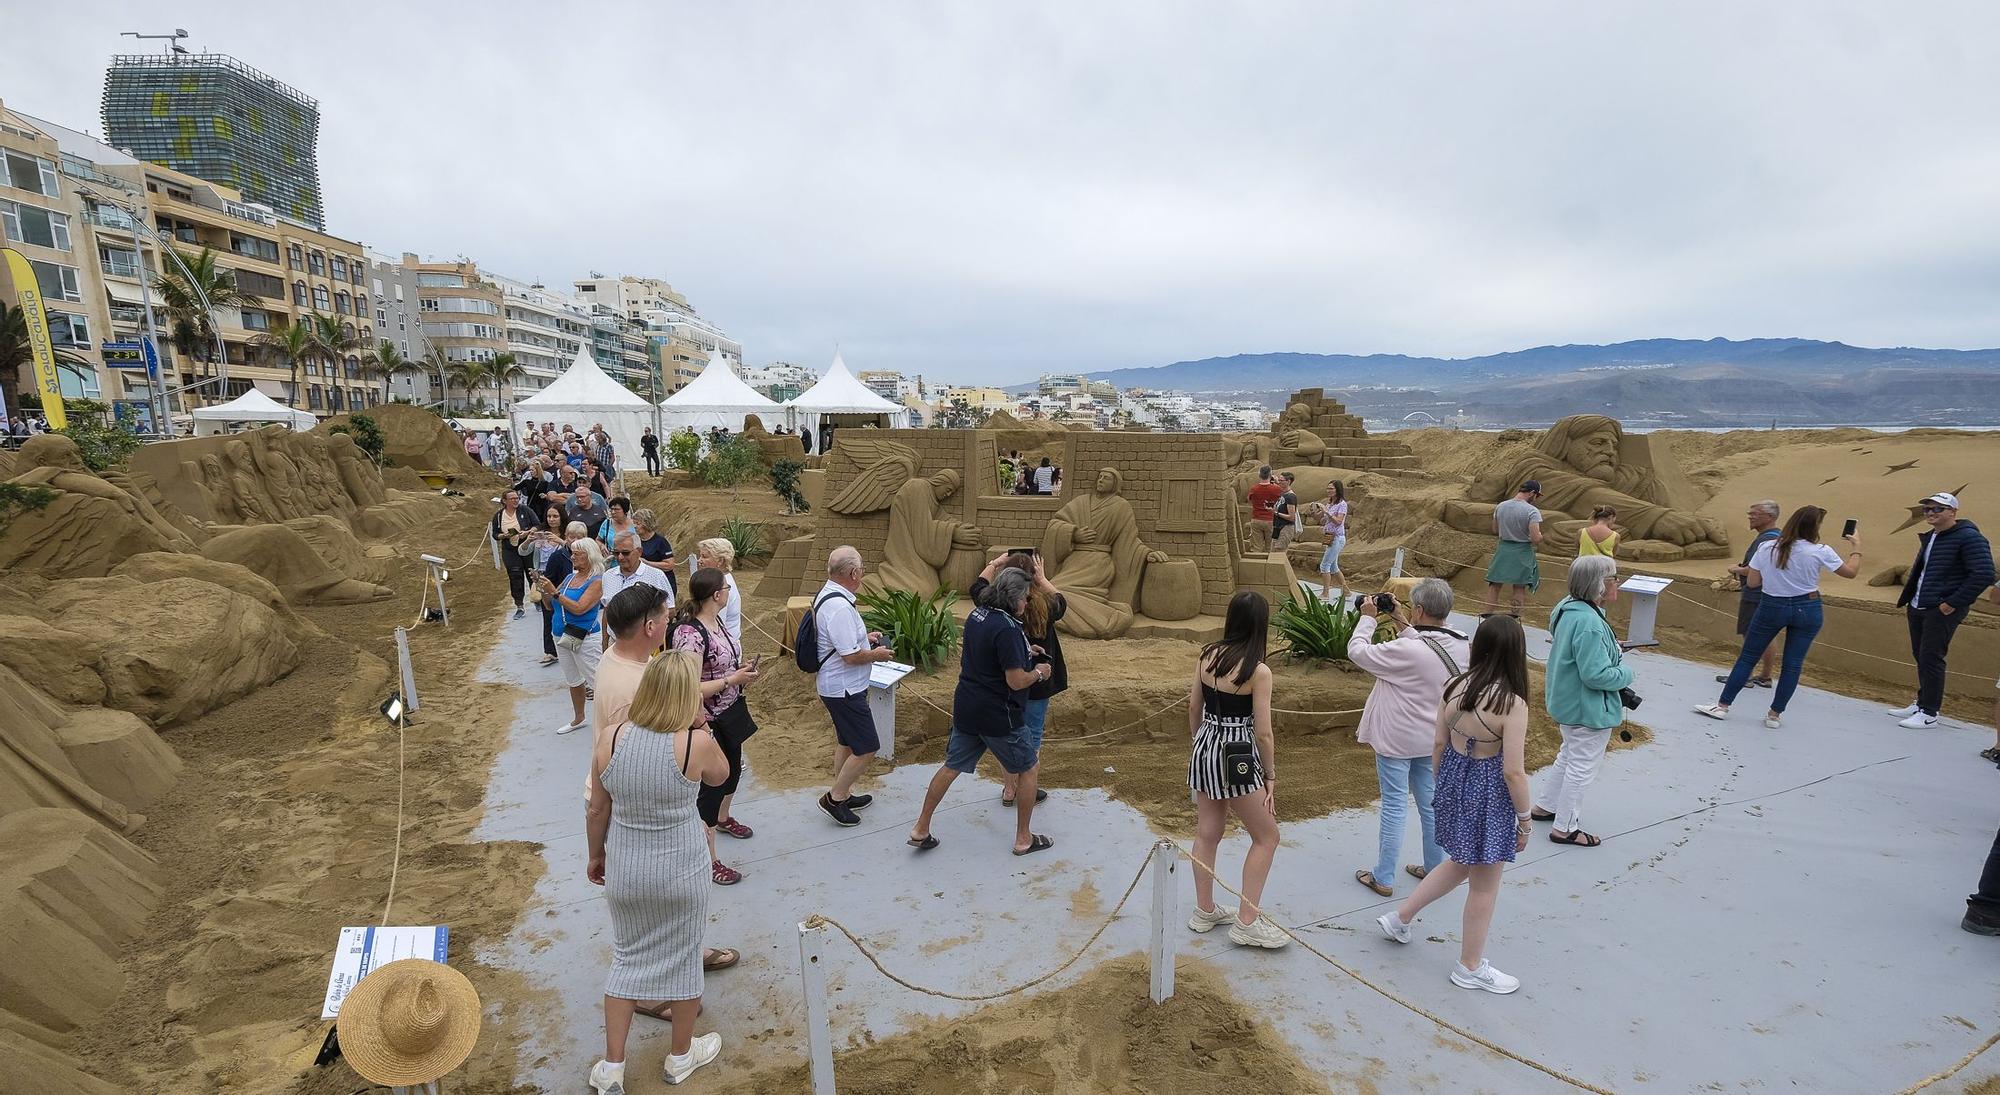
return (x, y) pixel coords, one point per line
(1824, 482)
(1894, 468)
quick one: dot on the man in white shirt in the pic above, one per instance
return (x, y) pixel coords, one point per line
(846, 651)
(631, 571)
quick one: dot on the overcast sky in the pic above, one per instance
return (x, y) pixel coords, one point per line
(987, 191)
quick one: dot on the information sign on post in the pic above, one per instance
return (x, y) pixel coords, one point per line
(882, 680)
(1644, 591)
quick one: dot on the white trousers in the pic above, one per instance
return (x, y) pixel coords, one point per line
(1575, 767)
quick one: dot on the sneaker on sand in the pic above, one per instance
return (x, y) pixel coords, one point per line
(1203, 922)
(1905, 712)
(1263, 933)
(704, 1048)
(1485, 977)
(607, 1078)
(1393, 928)
(838, 811)
(1919, 721)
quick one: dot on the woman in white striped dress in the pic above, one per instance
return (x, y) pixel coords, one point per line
(649, 850)
(1229, 707)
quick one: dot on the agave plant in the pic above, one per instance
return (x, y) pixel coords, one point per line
(1317, 629)
(921, 630)
(747, 537)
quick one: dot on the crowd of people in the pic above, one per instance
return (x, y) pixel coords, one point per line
(1447, 719)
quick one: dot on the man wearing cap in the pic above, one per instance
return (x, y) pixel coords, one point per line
(1518, 524)
(1954, 566)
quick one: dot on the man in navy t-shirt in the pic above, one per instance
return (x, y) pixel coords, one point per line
(996, 669)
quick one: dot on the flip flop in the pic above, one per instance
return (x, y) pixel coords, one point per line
(1577, 838)
(720, 959)
(1036, 843)
(1367, 878)
(924, 845)
(663, 1011)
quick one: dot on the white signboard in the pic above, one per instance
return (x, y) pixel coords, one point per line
(1645, 583)
(886, 674)
(363, 949)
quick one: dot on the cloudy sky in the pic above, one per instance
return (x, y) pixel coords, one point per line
(987, 191)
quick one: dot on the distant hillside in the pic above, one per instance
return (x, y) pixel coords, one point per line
(1284, 372)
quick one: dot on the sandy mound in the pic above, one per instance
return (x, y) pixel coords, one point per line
(285, 558)
(72, 890)
(35, 766)
(414, 438)
(400, 478)
(1101, 1034)
(158, 566)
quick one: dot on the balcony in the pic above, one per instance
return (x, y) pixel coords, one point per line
(125, 269)
(130, 314)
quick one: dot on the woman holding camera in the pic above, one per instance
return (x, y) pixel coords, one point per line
(1045, 607)
(1585, 685)
(1787, 572)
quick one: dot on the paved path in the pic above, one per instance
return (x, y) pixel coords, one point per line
(1772, 910)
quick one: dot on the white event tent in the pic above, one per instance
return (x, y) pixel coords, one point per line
(843, 401)
(252, 408)
(718, 397)
(584, 396)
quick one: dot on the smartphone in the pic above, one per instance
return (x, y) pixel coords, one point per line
(1024, 551)
(755, 662)
(1848, 529)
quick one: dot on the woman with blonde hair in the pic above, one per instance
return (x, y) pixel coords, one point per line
(1600, 538)
(648, 852)
(578, 606)
(719, 554)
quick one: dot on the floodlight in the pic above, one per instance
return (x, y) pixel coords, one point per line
(392, 709)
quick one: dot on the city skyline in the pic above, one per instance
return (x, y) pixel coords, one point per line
(978, 195)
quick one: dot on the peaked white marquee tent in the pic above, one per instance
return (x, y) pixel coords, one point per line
(843, 401)
(584, 396)
(252, 408)
(718, 397)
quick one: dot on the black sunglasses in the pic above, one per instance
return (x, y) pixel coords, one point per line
(1930, 510)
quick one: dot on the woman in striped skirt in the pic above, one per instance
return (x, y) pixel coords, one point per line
(1229, 707)
(649, 850)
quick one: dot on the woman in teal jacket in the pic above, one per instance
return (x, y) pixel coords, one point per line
(1585, 672)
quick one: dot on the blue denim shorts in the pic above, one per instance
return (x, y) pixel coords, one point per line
(1016, 752)
(1329, 560)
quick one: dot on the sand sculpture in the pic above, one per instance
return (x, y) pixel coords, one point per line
(771, 447)
(1145, 541)
(285, 557)
(1585, 461)
(413, 437)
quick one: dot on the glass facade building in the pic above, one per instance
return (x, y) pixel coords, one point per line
(216, 118)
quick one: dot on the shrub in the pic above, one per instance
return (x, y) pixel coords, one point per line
(367, 435)
(1314, 629)
(747, 538)
(684, 450)
(16, 499)
(101, 444)
(921, 630)
(785, 481)
(731, 463)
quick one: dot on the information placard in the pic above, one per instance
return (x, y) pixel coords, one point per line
(363, 949)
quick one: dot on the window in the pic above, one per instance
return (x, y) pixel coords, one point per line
(253, 247)
(381, 316)
(356, 279)
(320, 300)
(313, 398)
(353, 368)
(33, 224)
(32, 173)
(378, 287)
(339, 268)
(295, 257)
(260, 285)
(336, 398)
(310, 366)
(69, 330)
(455, 281)
(343, 304)
(361, 304)
(256, 320)
(299, 293)
(316, 263)
(399, 292)
(374, 397)
(118, 262)
(58, 282)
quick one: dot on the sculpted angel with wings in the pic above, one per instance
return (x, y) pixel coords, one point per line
(920, 537)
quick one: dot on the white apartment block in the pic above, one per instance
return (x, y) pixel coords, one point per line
(545, 330)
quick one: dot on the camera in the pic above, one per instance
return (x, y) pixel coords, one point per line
(1630, 699)
(1385, 603)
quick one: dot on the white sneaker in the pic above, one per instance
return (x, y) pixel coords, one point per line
(704, 1048)
(1919, 721)
(569, 728)
(1263, 933)
(1393, 928)
(1485, 977)
(1713, 710)
(1905, 712)
(607, 1078)
(1204, 922)
(1772, 722)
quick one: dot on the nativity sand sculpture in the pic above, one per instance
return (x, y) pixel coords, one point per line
(921, 537)
(1093, 554)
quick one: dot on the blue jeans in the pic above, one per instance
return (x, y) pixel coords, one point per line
(1800, 618)
(1400, 778)
(1033, 719)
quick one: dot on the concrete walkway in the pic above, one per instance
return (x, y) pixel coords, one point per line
(1771, 910)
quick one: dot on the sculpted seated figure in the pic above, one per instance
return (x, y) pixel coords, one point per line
(1581, 464)
(1093, 554)
(920, 538)
(1294, 438)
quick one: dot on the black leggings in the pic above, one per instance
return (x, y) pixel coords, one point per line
(652, 461)
(517, 573)
(548, 623)
(708, 800)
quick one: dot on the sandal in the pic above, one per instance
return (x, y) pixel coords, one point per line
(548, 659)
(1992, 754)
(1577, 838)
(926, 844)
(721, 958)
(1367, 878)
(1536, 813)
(1041, 796)
(663, 1011)
(1036, 843)
(1417, 871)
(724, 874)
(729, 826)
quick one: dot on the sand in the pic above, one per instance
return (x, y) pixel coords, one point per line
(1101, 1034)
(413, 437)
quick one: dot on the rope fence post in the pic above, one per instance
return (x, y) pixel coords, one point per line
(405, 669)
(819, 1034)
(1160, 951)
(1396, 568)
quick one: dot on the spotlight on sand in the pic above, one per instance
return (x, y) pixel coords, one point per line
(392, 709)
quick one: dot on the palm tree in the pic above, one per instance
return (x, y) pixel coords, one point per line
(384, 363)
(332, 338)
(192, 327)
(470, 375)
(291, 343)
(503, 369)
(16, 353)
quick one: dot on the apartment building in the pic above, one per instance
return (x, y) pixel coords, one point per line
(679, 342)
(780, 380)
(545, 329)
(460, 308)
(399, 322)
(42, 217)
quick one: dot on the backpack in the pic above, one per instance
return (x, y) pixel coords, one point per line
(805, 644)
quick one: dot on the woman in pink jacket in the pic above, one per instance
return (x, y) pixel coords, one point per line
(1400, 719)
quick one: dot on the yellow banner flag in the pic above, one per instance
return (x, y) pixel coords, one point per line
(29, 293)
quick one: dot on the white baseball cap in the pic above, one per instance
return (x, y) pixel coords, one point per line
(1943, 498)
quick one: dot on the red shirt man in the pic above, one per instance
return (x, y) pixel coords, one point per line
(1263, 496)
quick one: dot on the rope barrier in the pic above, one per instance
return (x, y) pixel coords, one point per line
(1991, 1040)
(817, 920)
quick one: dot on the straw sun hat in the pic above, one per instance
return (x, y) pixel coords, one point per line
(408, 1022)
